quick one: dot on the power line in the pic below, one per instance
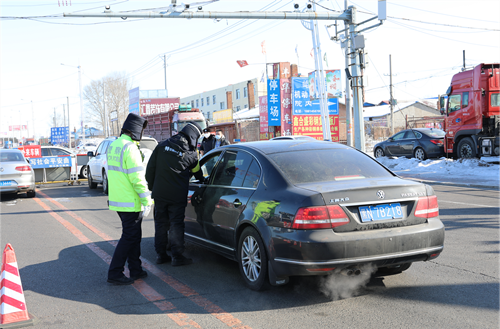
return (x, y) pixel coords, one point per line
(41, 83)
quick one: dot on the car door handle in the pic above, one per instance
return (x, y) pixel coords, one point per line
(237, 203)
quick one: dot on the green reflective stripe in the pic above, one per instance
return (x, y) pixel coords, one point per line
(122, 204)
(144, 195)
(133, 170)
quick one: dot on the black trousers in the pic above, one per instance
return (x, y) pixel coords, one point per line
(129, 246)
(169, 216)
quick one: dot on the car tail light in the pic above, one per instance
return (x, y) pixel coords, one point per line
(427, 207)
(23, 168)
(438, 142)
(319, 217)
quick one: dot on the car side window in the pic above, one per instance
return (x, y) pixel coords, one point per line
(398, 136)
(100, 148)
(253, 175)
(232, 169)
(106, 147)
(59, 152)
(208, 164)
(465, 99)
(45, 152)
(413, 134)
(454, 103)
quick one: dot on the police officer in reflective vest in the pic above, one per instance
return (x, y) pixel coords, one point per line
(171, 165)
(130, 197)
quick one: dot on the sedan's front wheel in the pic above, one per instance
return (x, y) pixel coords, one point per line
(252, 259)
(379, 152)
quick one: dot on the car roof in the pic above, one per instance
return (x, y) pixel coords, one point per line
(11, 150)
(287, 145)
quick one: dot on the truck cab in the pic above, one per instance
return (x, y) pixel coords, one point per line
(472, 112)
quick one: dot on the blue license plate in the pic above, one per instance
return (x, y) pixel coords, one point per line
(6, 183)
(381, 212)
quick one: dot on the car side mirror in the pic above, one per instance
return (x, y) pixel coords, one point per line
(90, 154)
(442, 111)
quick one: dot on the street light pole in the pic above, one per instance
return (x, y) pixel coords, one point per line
(81, 102)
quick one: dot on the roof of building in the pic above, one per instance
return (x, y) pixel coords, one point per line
(383, 110)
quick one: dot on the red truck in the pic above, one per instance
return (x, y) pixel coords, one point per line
(164, 125)
(472, 113)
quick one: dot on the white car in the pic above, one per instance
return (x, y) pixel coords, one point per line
(97, 172)
(76, 170)
(16, 174)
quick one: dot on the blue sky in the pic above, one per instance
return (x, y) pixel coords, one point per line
(425, 38)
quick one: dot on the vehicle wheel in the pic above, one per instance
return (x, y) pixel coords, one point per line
(379, 152)
(92, 184)
(83, 172)
(465, 148)
(252, 260)
(104, 182)
(393, 269)
(419, 154)
(31, 194)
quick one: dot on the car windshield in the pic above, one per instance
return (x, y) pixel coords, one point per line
(11, 157)
(148, 144)
(327, 165)
(436, 133)
(201, 123)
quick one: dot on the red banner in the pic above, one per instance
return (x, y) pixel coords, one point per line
(286, 107)
(18, 127)
(150, 106)
(264, 128)
(242, 63)
(31, 151)
(310, 125)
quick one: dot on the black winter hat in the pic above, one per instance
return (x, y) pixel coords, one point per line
(135, 124)
(192, 131)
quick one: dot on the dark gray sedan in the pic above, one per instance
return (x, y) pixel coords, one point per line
(420, 143)
(289, 208)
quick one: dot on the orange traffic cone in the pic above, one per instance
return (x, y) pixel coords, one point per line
(12, 304)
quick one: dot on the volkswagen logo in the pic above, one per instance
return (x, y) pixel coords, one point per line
(380, 194)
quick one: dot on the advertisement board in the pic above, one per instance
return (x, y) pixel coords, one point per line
(18, 127)
(332, 83)
(264, 128)
(286, 107)
(273, 102)
(31, 151)
(150, 106)
(51, 162)
(302, 103)
(310, 125)
(223, 116)
(59, 135)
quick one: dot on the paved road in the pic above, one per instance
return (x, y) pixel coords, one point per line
(64, 240)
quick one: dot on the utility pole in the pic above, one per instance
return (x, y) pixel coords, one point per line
(69, 126)
(81, 103)
(348, 109)
(165, 62)
(104, 109)
(33, 117)
(64, 115)
(54, 117)
(392, 99)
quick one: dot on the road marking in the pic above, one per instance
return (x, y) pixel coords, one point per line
(142, 287)
(183, 289)
(468, 204)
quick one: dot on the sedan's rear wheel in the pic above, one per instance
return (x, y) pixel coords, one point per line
(393, 269)
(31, 194)
(419, 154)
(92, 184)
(379, 152)
(252, 259)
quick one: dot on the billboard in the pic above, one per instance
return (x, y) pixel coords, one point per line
(273, 102)
(51, 162)
(31, 151)
(223, 116)
(18, 127)
(133, 101)
(264, 128)
(333, 84)
(150, 106)
(302, 103)
(310, 125)
(286, 107)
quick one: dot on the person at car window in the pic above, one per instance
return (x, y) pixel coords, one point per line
(207, 143)
(220, 139)
(169, 169)
(129, 196)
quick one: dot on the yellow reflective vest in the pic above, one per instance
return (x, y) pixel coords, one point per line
(128, 189)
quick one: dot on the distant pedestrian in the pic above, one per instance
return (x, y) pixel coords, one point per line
(169, 169)
(128, 195)
(207, 143)
(220, 139)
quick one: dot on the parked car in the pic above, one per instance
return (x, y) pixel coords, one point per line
(298, 208)
(16, 174)
(420, 143)
(87, 147)
(293, 137)
(76, 170)
(98, 163)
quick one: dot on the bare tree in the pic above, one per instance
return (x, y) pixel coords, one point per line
(111, 91)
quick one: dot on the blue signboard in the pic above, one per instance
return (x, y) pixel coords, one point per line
(50, 162)
(132, 108)
(273, 102)
(59, 135)
(302, 103)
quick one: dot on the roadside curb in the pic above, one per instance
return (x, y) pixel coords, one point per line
(432, 182)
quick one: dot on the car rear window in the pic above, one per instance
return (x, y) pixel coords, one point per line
(11, 157)
(436, 133)
(327, 165)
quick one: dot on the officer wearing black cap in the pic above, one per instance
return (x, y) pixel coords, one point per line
(169, 169)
